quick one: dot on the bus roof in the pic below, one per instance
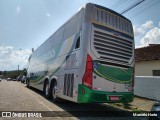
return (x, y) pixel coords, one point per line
(107, 9)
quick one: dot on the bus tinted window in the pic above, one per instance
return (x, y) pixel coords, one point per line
(77, 43)
(114, 21)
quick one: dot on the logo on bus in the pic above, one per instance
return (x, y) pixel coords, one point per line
(95, 65)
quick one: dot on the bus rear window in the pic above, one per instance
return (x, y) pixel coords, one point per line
(111, 20)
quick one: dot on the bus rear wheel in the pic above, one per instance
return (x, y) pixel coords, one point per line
(47, 91)
(54, 93)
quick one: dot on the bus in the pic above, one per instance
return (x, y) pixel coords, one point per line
(90, 58)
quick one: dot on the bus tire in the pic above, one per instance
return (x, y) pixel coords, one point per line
(47, 90)
(54, 92)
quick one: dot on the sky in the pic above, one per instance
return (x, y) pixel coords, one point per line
(26, 24)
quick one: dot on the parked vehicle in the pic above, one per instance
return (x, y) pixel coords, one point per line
(23, 79)
(0, 79)
(14, 79)
(19, 78)
(9, 79)
(88, 59)
(155, 109)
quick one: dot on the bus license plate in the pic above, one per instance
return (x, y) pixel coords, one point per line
(114, 98)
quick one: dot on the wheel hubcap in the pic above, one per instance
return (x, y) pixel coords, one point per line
(46, 90)
(54, 92)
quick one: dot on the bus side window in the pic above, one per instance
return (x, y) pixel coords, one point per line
(78, 43)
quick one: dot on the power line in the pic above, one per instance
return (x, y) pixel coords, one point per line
(121, 4)
(139, 7)
(133, 6)
(147, 6)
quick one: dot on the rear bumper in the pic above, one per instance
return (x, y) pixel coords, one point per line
(92, 96)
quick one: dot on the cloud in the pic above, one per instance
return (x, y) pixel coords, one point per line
(151, 37)
(159, 24)
(48, 14)
(148, 25)
(10, 58)
(140, 30)
(18, 9)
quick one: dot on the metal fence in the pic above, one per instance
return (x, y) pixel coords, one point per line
(147, 87)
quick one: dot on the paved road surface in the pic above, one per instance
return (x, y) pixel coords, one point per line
(15, 96)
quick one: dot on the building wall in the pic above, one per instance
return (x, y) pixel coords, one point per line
(144, 68)
(147, 86)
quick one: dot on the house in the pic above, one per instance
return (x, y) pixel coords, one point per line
(147, 60)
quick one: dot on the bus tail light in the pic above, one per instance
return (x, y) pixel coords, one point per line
(87, 77)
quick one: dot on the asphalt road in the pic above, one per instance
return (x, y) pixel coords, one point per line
(15, 96)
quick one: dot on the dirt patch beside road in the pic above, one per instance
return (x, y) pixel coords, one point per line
(142, 103)
(138, 104)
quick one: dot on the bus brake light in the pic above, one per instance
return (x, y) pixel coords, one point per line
(87, 77)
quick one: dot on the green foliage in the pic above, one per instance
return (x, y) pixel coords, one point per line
(12, 74)
(25, 72)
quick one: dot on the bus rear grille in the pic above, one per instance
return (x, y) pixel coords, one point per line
(111, 48)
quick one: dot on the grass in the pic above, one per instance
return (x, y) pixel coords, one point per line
(125, 106)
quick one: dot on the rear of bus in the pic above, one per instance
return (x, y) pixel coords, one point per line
(108, 74)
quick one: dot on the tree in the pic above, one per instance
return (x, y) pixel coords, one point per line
(25, 72)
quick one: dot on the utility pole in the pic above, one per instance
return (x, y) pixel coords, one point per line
(18, 70)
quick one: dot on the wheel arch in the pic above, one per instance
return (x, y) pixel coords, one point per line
(45, 81)
(53, 80)
(50, 81)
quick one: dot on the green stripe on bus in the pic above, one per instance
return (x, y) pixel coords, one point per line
(92, 96)
(113, 74)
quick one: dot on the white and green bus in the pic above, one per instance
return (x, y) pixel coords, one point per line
(90, 58)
